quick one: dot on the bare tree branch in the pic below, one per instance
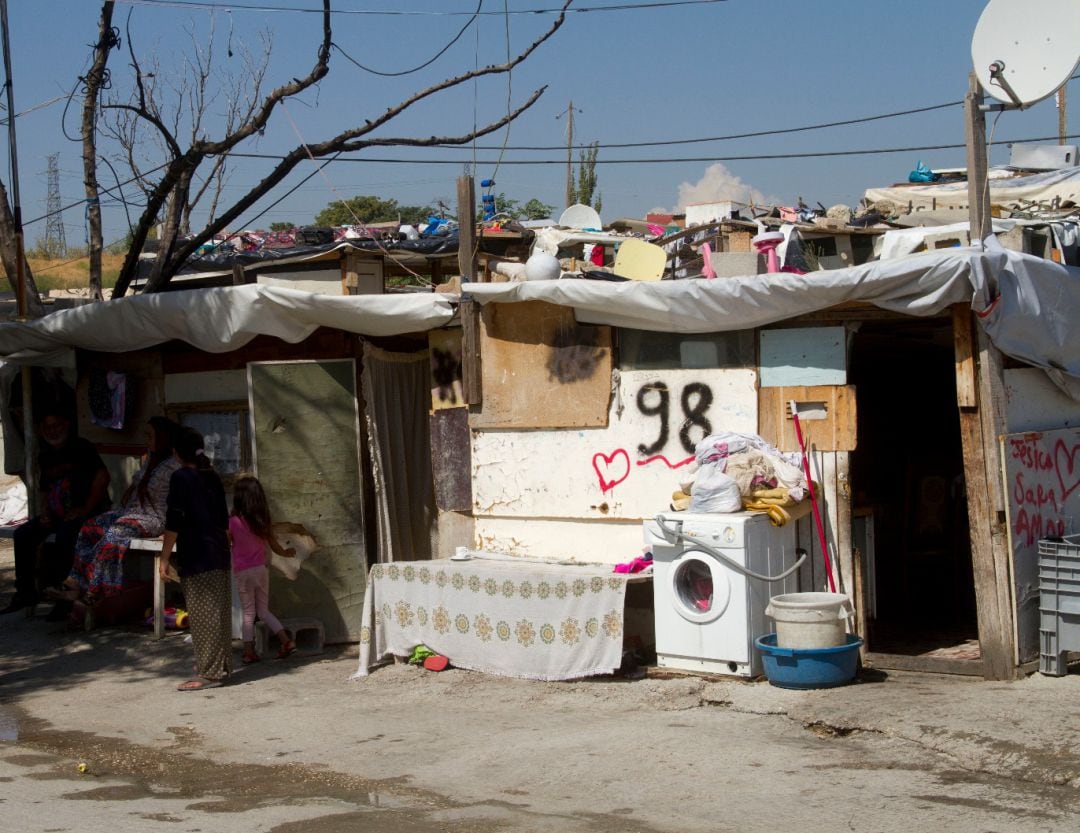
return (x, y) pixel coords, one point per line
(184, 164)
(299, 154)
(180, 174)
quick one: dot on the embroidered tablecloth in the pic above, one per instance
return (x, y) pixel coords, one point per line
(507, 616)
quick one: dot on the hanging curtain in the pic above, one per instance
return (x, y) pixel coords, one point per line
(397, 396)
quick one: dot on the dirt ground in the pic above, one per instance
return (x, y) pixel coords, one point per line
(93, 735)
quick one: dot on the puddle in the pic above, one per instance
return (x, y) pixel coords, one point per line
(9, 725)
(178, 770)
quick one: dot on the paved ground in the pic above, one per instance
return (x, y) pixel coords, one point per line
(94, 736)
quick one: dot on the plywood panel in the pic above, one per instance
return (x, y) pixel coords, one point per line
(827, 468)
(306, 431)
(1034, 403)
(836, 432)
(1042, 484)
(451, 459)
(628, 469)
(541, 369)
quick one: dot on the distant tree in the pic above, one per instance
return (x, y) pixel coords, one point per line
(585, 186)
(503, 205)
(536, 210)
(371, 209)
(282, 226)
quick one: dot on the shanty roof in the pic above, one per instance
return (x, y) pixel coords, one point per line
(1026, 304)
(1052, 188)
(217, 320)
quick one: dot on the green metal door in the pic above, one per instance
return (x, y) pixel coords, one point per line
(305, 430)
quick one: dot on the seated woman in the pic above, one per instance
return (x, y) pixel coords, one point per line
(98, 568)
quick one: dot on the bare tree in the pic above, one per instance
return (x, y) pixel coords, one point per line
(93, 82)
(171, 188)
(181, 102)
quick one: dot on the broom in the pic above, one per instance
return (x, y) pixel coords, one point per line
(813, 498)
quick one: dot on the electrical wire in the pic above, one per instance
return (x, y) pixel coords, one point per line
(674, 160)
(754, 135)
(344, 202)
(106, 190)
(260, 7)
(39, 106)
(424, 65)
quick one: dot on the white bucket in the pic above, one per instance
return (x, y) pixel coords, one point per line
(810, 620)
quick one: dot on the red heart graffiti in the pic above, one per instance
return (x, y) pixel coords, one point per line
(607, 481)
(1063, 458)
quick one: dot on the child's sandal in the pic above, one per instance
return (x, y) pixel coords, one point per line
(250, 657)
(287, 648)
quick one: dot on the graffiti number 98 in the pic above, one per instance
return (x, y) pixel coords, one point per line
(654, 399)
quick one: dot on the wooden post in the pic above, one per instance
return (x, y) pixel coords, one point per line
(1062, 123)
(978, 186)
(237, 274)
(979, 385)
(471, 386)
(982, 478)
(466, 198)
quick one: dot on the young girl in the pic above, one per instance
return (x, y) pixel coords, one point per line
(196, 524)
(249, 529)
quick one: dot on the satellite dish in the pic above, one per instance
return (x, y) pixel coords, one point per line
(580, 217)
(1024, 52)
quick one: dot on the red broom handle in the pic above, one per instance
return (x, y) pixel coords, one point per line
(813, 500)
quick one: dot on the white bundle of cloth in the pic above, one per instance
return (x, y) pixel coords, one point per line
(732, 465)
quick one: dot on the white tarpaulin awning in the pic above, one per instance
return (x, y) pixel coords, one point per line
(1014, 192)
(218, 320)
(1026, 304)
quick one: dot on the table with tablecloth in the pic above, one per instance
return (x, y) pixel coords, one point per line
(497, 614)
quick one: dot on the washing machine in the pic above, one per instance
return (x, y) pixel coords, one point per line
(708, 614)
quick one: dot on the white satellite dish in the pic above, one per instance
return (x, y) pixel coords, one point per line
(1024, 52)
(580, 217)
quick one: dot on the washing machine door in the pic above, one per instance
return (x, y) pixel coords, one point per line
(700, 586)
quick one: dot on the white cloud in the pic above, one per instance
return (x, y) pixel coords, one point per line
(716, 184)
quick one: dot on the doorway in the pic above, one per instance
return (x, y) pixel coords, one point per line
(909, 503)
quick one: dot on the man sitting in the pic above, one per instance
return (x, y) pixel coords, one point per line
(73, 486)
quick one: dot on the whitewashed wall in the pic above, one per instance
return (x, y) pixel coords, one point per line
(581, 494)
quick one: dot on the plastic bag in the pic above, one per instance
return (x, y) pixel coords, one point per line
(714, 491)
(922, 173)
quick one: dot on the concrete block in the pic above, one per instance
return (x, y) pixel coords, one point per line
(737, 264)
(309, 635)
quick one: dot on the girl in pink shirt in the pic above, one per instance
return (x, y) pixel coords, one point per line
(249, 531)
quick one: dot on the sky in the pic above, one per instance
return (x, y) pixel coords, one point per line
(633, 75)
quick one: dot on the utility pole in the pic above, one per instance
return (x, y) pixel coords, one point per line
(55, 242)
(569, 113)
(29, 436)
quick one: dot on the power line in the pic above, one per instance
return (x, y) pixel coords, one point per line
(754, 135)
(260, 7)
(671, 160)
(69, 206)
(427, 63)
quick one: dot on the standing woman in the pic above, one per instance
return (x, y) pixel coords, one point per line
(196, 526)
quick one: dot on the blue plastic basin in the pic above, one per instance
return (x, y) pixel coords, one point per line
(809, 667)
